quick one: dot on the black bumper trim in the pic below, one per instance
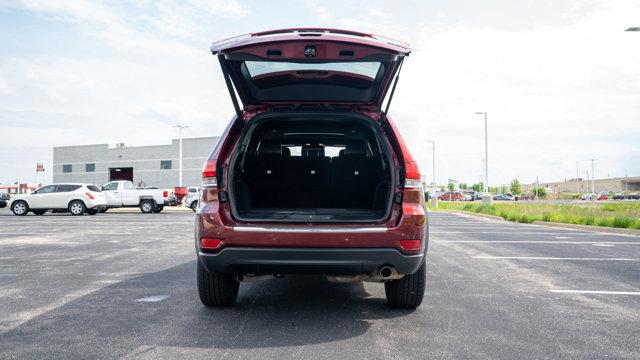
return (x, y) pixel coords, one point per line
(261, 260)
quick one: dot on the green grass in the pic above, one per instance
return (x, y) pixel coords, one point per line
(618, 215)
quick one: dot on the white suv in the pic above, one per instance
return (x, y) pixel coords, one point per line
(75, 198)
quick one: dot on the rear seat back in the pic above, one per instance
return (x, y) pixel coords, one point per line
(265, 173)
(306, 178)
(354, 176)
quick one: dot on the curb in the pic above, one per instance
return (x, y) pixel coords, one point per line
(603, 229)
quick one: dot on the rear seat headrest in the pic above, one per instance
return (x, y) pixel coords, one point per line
(355, 147)
(286, 151)
(312, 151)
(270, 146)
(341, 152)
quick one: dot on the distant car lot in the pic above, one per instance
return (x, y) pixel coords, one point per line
(112, 286)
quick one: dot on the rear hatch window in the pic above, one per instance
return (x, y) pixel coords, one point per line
(93, 188)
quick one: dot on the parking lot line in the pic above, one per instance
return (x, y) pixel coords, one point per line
(514, 233)
(551, 258)
(635, 293)
(598, 243)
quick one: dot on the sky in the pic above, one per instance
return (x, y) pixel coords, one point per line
(560, 80)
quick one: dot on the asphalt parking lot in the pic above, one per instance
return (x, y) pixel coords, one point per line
(122, 285)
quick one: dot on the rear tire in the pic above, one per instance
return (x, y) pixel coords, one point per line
(103, 210)
(92, 212)
(216, 289)
(158, 209)
(194, 206)
(77, 208)
(20, 208)
(408, 292)
(39, 211)
(147, 206)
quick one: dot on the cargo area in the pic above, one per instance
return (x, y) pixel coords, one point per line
(316, 169)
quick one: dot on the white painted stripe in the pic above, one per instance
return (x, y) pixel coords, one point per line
(537, 242)
(154, 298)
(552, 258)
(603, 245)
(635, 293)
(510, 233)
(309, 229)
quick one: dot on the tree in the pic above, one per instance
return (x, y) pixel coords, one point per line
(516, 187)
(451, 186)
(503, 189)
(441, 188)
(464, 186)
(477, 187)
(539, 192)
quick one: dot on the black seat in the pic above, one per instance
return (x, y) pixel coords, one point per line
(355, 176)
(265, 173)
(306, 178)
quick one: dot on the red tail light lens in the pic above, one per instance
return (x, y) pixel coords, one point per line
(210, 243)
(165, 193)
(89, 196)
(412, 171)
(413, 244)
(209, 173)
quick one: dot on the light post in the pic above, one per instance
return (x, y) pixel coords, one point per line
(593, 178)
(180, 127)
(434, 198)
(486, 198)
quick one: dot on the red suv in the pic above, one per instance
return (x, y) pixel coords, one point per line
(311, 176)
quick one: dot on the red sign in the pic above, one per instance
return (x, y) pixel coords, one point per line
(39, 167)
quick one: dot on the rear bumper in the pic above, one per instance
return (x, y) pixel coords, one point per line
(263, 260)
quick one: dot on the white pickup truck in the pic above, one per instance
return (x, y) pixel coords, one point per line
(123, 194)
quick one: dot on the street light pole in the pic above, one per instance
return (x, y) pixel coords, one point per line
(180, 127)
(577, 176)
(593, 177)
(434, 198)
(486, 198)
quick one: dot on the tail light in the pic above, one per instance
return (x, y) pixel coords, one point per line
(412, 177)
(210, 243)
(209, 174)
(411, 245)
(165, 193)
(89, 196)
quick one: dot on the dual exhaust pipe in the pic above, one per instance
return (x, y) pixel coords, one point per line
(384, 273)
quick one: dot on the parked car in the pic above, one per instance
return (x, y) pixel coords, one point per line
(75, 198)
(452, 196)
(267, 211)
(619, 196)
(502, 197)
(191, 200)
(169, 196)
(602, 196)
(590, 196)
(122, 193)
(4, 198)
(634, 196)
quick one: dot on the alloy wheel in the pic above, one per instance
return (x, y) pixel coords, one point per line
(19, 208)
(76, 208)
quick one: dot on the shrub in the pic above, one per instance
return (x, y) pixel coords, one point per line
(621, 222)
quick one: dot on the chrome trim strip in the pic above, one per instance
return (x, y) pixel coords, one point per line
(310, 229)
